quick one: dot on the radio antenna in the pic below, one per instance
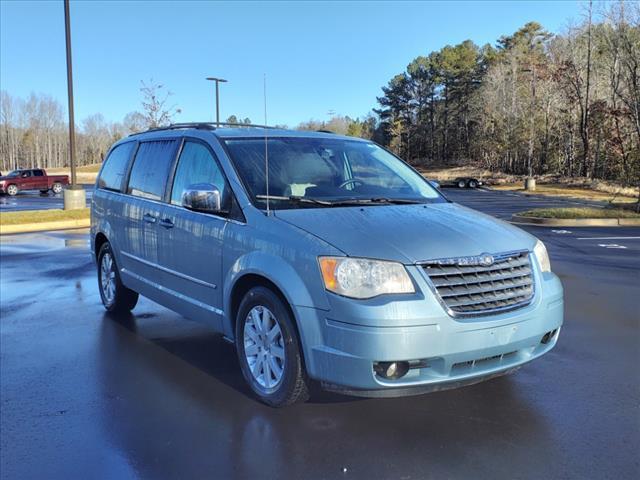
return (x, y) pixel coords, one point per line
(266, 144)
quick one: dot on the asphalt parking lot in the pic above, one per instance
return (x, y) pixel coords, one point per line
(151, 395)
(34, 200)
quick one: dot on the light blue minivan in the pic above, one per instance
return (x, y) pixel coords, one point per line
(321, 257)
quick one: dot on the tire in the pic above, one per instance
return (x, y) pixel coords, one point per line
(281, 352)
(12, 190)
(462, 184)
(56, 188)
(115, 296)
(473, 184)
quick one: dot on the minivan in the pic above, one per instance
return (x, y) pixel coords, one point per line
(322, 258)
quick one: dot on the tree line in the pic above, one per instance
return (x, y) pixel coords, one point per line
(34, 131)
(535, 103)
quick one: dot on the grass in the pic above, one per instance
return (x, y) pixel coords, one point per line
(86, 174)
(585, 212)
(559, 190)
(40, 216)
(95, 168)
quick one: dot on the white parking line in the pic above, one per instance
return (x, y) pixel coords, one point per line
(609, 238)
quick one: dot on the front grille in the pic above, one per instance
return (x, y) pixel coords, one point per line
(468, 287)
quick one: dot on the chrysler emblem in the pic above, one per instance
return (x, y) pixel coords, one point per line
(486, 259)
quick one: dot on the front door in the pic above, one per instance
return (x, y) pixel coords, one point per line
(26, 182)
(191, 245)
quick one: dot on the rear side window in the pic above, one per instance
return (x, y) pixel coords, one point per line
(38, 173)
(151, 169)
(115, 167)
(196, 165)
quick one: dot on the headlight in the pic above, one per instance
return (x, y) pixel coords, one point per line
(540, 251)
(363, 278)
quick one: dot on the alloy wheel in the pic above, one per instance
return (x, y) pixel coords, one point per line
(108, 278)
(264, 347)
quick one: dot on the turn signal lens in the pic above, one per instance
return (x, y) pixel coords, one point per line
(540, 251)
(364, 278)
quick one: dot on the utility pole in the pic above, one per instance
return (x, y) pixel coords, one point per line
(218, 81)
(74, 197)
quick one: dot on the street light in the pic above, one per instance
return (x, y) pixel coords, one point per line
(218, 81)
(74, 197)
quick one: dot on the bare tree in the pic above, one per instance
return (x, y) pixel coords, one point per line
(155, 108)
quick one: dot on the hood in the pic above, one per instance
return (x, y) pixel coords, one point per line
(409, 233)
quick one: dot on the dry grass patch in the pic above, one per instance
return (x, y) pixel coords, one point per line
(85, 174)
(559, 190)
(586, 212)
(40, 216)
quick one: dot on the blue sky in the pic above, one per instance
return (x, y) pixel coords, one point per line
(317, 56)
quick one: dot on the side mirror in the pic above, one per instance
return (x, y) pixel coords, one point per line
(202, 197)
(434, 183)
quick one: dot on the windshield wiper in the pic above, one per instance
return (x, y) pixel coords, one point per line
(340, 203)
(295, 199)
(377, 201)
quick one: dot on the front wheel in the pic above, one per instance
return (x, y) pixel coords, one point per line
(12, 190)
(473, 184)
(115, 296)
(269, 349)
(57, 188)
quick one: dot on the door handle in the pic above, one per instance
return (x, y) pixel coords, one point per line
(166, 223)
(149, 218)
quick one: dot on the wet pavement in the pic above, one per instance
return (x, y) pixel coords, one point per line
(503, 203)
(152, 395)
(34, 200)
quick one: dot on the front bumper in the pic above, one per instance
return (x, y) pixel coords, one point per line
(341, 345)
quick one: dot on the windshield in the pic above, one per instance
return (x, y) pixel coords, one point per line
(316, 172)
(15, 173)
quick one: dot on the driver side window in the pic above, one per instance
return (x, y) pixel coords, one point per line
(196, 165)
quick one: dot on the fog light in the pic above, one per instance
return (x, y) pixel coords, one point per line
(548, 336)
(391, 370)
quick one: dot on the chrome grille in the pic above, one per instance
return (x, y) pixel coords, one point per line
(470, 286)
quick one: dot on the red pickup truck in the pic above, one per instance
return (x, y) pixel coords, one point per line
(32, 179)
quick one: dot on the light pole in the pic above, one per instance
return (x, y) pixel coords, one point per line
(74, 197)
(218, 81)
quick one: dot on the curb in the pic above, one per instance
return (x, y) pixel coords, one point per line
(44, 226)
(578, 222)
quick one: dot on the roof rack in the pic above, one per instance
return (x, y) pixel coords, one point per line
(202, 126)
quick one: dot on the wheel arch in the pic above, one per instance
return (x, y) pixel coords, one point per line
(250, 280)
(99, 240)
(243, 285)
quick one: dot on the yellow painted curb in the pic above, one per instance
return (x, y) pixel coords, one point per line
(577, 222)
(44, 226)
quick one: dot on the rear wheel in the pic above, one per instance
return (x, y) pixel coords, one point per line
(269, 349)
(115, 296)
(57, 188)
(462, 184)
(12, 190)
